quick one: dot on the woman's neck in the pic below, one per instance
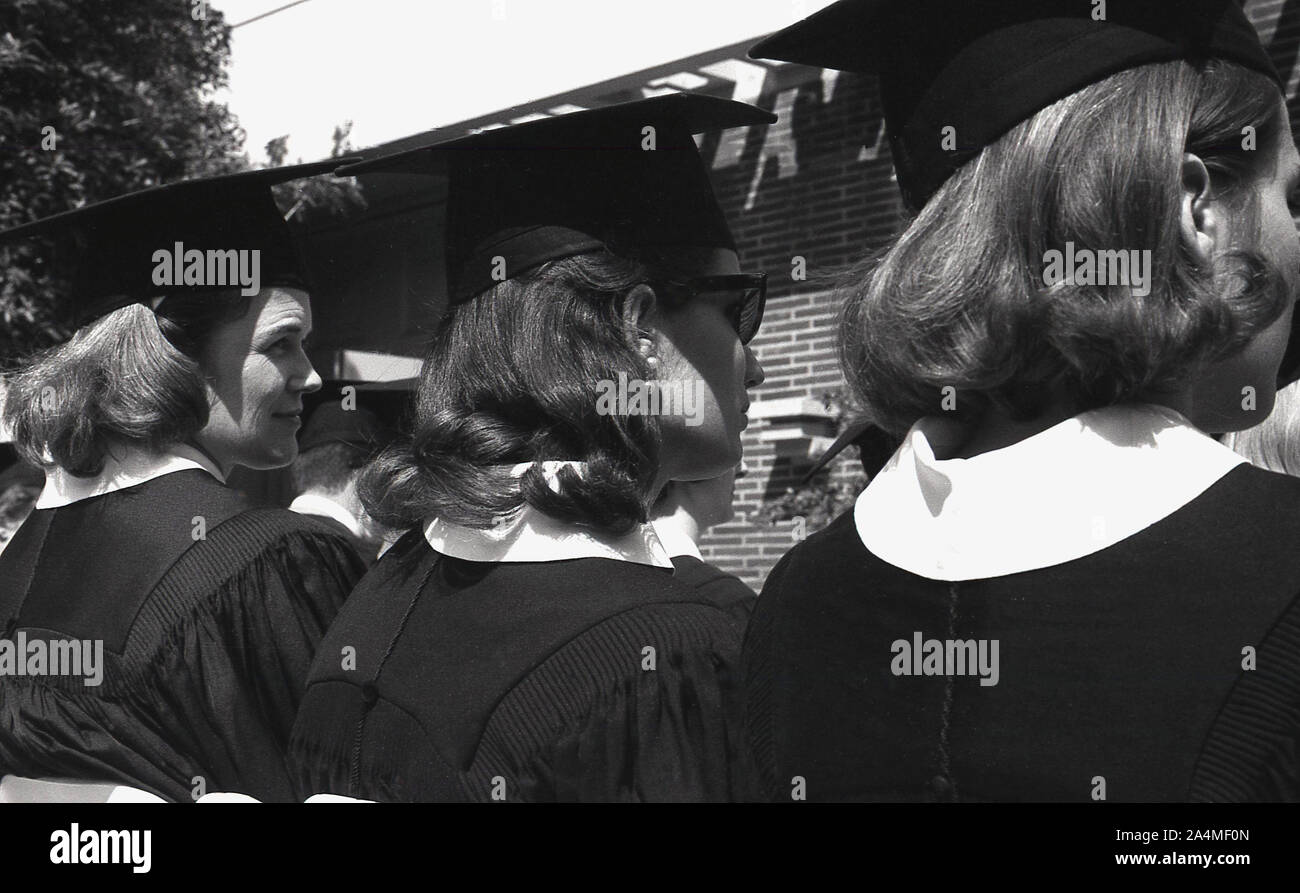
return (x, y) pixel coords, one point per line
(225, 469)
(998, 430)
(680, 518)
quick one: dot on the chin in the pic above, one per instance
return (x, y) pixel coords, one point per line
(283, 459)
(715, 462)
(271, 459)
(703, 453)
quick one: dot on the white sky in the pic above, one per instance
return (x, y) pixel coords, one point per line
(397, 67)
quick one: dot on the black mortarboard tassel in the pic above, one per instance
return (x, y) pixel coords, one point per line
(875, 448)
(983, 66)
(106, 251)
(575, 183)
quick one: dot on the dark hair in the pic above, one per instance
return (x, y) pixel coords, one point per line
(130, 376)
(511, 378)
(958, 300)
(327, 468)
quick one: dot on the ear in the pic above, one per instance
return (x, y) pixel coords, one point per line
(638, 312)
(1200, 219)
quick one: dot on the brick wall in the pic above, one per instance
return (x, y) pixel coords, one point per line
(826, 199)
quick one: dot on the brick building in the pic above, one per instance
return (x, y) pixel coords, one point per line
(807, 197)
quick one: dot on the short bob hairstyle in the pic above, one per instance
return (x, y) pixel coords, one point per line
(511, 378)
(129, 377)
(958, 300)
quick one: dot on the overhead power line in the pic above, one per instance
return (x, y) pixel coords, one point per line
(267, 14)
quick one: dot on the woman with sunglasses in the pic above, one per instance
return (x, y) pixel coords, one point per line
(526, 640)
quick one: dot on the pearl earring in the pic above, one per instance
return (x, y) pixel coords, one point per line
(646, 346)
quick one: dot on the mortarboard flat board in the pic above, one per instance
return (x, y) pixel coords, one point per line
(109, 249)
(983, 66)
(622, 178)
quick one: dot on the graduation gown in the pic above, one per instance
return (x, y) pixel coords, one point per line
(339, 519)
(205, 641)
(545, 671)
(716, 584)
(1159, 662)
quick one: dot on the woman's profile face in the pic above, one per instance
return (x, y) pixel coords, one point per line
(257, 372)
(699, 349)
(1220, 400)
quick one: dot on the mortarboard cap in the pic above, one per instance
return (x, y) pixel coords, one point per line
(983, 66)
(369, 422)
(108, 249)
(576, 183)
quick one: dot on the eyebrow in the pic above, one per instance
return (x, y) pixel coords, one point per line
(284, 328)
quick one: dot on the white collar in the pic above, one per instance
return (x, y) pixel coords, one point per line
(675, 540)
(318, 504)
(1069, 491)
(128, 466)
(532, 535)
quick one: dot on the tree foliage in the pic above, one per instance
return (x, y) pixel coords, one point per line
(316, 198)
(128, 87)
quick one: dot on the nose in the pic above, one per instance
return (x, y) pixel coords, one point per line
(311, 380)
(754, 374)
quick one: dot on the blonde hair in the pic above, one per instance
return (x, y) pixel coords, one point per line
(1273, 444)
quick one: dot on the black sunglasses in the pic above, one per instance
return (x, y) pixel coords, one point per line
(746, 314)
